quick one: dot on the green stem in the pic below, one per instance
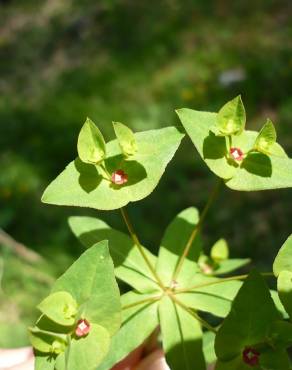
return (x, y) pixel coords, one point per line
(196, 230)
(194, 314)
(140, 248)
(150, 300)
(102, 165)
(222, 280)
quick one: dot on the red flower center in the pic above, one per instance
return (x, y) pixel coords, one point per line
(251, 356)
(236, 154)
(82, 328)
(119, 177)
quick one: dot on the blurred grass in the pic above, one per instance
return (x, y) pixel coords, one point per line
(133, 62)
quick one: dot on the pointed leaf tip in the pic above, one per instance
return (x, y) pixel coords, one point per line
(231, 118)
(91, 145)
(126, 139)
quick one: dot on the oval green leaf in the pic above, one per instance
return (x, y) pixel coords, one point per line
(126, 139)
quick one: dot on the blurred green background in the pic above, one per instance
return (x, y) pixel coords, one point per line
(134, 62)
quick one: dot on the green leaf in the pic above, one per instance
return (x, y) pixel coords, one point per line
(248, 323)
(91, 144)
(211, 148)
(173, 243)
(285, 290)
(220, 251)
(283, 261)
(256, 172)
(44, 362)
(91, 282)
(46, 342)
(86, 185)
(181, 337)
(138, 323)
(126, 139)
(216, 299)
(275, 360)
(231, 118)
(88, 352)
(60, 307)
(230, 265)
(259, 171)
(266, 138)
(281, 334)
(129, 264)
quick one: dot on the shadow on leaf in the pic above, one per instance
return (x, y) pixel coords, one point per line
(135, 171)
(89, 178)
(214, 147)
(258, 164)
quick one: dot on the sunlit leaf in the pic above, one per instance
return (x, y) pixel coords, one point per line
(231, 118)
(266, 138)
(91, 144)
(181, 337)
(91, 282)
(60, 307)
(87, 185)
(220, 251)
(139, 322)
(129, 264)
(126, 138)
(283, 261)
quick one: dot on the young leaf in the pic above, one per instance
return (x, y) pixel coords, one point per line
(46, 342)
(129, 264)
(172, 245)
(91, 282)
(138, 323)
(60, 307)
(85, 185)
(231, 118)
(181, 337)
(126, 139)
(283, 261)
(89, 351)
(285, 290)
(91, 144)
(266, 138)
(248, 323)
(220, 251)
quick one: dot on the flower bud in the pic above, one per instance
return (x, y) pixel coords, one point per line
(119, 177)
(82, 328)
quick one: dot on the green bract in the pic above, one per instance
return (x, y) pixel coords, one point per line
(60, 307)
(87, 290)
(230, 119)
(88, 185)
(256, 171)
(91, 144)
(126, 139)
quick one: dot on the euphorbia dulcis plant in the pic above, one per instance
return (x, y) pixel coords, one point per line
(85, 324)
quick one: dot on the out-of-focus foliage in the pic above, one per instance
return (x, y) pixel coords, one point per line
(133, 62)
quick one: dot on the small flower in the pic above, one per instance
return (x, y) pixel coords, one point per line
(251, 356)
(236, 154)
(119, 177)
(82, 328)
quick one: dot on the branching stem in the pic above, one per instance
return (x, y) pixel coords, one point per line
(196, 230)
(150, 300)
(140, 248)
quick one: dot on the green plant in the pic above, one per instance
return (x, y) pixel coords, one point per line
(173, 289)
